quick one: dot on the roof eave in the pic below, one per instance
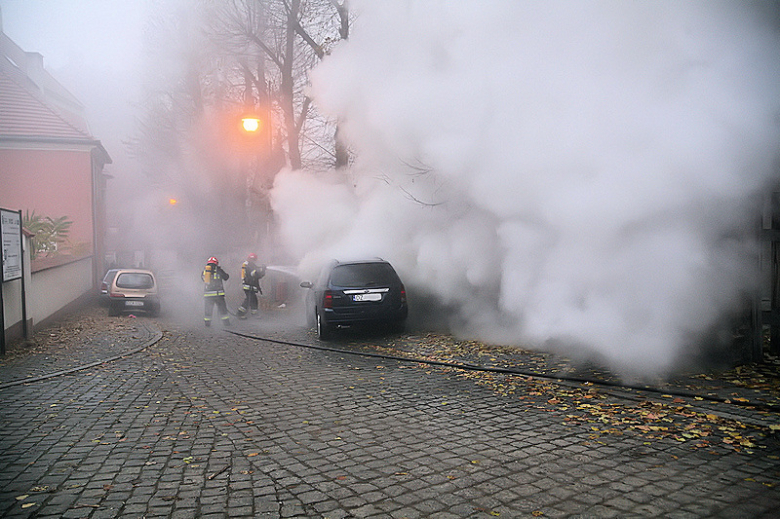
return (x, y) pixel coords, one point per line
(42, 139)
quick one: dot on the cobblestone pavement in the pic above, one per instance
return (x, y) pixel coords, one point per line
(188, 422)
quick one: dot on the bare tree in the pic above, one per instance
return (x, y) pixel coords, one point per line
(216, 60)
(286, 38)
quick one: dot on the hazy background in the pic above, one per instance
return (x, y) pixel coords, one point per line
(583, 176)
(95, 49)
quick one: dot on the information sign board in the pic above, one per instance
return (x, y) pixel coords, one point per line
(11, 230)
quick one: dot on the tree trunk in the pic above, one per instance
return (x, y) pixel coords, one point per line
(342, 153)
(288, 87)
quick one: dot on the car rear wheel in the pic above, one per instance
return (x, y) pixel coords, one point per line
(398, 327)
(323, 330)
(113, 310)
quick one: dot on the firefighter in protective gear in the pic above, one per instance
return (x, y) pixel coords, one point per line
(251, 275)
(214, 291)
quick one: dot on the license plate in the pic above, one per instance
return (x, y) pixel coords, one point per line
(134, 303)
(367, 297)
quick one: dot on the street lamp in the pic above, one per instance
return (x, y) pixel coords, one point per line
(250, 124)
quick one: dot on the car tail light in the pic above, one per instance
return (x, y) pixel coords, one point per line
(328, 299)
(104, 287)
(403, 294)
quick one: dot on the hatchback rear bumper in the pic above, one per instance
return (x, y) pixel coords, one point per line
(130, 304)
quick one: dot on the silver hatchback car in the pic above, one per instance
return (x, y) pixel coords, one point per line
(133, 290)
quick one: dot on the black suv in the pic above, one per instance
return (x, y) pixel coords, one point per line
(353, 293)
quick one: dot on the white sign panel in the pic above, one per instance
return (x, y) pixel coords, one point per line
(11, 230)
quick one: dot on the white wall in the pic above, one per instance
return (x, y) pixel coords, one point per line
(48, 291)
(12, 302)
(52, 289)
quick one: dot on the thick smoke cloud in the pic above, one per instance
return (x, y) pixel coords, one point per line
(580, 175)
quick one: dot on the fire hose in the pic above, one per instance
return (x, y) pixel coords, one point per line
(530, 374)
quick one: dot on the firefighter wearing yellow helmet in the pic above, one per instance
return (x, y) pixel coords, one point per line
(214, 291)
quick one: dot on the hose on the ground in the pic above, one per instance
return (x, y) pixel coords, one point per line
(513, 371)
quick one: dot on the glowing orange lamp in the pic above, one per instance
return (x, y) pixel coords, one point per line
(250, 124)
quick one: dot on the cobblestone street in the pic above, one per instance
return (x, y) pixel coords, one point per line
(204, 423)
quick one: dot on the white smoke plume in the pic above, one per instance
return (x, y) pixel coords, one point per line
(577, 175)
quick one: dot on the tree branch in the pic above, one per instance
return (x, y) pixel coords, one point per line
(308, 39)
(417, 200)
(304, 111)
(268, 52)
(343, 11)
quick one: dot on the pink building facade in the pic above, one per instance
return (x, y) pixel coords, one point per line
(51, 167)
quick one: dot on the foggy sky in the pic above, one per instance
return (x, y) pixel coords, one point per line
(94, 48)
(576, 175)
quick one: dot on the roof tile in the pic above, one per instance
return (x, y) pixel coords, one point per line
(22, 114)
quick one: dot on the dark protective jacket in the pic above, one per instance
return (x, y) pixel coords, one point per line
(212, 277)
(251, 275)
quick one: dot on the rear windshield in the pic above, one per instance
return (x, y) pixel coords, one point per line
(363, 275)
(132, 280)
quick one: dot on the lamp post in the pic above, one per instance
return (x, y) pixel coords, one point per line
(253, 128)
